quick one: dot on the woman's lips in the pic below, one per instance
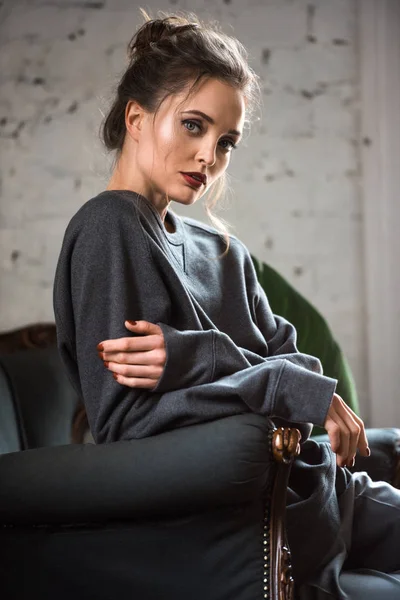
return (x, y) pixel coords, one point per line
(192, 181)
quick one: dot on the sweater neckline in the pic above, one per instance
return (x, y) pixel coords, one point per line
(177, 237)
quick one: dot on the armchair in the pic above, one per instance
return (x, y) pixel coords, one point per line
(196, 512)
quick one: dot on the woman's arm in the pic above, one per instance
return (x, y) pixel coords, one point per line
(345, 429)
(167, 346)
(101, 280)
(154, 359)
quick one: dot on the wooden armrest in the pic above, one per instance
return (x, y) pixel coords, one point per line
(38, 335)
(285, 448)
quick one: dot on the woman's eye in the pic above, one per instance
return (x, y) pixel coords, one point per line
(190, 125)
(231, 145)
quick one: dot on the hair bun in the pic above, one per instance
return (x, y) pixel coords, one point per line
(155, 30)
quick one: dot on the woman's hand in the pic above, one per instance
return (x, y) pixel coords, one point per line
(137, 362)
(346, 432)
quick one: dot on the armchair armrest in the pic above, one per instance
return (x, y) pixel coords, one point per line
(111, 513)
(213, 464)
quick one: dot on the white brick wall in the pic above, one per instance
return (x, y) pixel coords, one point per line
(297, 202)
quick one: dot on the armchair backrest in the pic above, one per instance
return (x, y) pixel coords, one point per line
(38, 402)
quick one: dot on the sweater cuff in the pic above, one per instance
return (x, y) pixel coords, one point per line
(186, 363)
(303, 396)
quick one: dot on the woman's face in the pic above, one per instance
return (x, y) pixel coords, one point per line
(187, 136)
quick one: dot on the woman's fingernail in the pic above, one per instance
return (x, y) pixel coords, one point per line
(368, 451)
(115, 376)
(101, 355)
(353, 462)
(133, 323)
(100, 347)
(106, 364)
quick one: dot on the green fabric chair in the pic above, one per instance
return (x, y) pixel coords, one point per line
(314, 334)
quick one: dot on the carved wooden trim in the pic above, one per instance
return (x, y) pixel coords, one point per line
(38, 335)
(286, 444)
(285, 448)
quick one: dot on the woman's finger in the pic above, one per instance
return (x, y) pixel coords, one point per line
(132, 344)
(152, 357)
(143, 327)
(136, 371)
(353, 427)
(136, 383)
(339, 436)
(362, 440)
(363, 445)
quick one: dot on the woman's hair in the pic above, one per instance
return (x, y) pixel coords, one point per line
(165, 54)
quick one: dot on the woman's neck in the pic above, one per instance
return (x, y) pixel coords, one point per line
(113, 185)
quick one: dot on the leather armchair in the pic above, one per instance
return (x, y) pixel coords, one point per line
(186, 514)
(196, 513)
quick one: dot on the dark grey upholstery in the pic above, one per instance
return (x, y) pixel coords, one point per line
(118, 520)
(200, 467)
(179, 515)
(37, 401)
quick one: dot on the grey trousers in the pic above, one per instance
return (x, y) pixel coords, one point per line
(368, 567)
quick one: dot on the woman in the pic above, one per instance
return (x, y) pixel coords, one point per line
(205, 343)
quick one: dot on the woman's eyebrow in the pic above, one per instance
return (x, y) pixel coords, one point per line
(210, 120)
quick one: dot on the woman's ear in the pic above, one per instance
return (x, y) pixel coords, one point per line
(134, 115)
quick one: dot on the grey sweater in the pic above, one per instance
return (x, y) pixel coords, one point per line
(226, 352)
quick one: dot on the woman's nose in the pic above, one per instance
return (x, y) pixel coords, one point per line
(207, 154)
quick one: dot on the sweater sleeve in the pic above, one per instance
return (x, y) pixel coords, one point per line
(310, 387)
(288, 386)
(227, 357)
(279, 335)
(96, 288)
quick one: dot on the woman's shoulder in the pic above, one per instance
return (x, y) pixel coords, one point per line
(108, 203)
(107, 210)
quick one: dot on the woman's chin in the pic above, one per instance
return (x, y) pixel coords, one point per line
(189, 201)
(188, 197)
